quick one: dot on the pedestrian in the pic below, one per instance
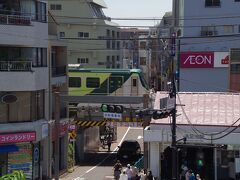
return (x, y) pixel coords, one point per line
(129, 172)
(117, 169)
(184, 169)
(123, 176)
(149, 175)
(190, 175)
(198, 177)
(142, 174)
(109, 142)
(134, 171)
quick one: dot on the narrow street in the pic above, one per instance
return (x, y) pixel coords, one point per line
(100, 164)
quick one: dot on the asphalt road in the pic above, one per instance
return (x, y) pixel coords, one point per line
(99, 166)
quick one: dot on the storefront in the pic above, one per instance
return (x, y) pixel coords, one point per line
(207, 136)
(63, 145)
(18, 151)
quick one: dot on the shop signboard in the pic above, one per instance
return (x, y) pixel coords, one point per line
(17, 137)
(21, 160)
(197, 59)
(221, 59)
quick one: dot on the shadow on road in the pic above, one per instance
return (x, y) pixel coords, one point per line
(101, 159)
(94, 158)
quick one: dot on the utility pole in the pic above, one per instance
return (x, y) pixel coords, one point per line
(57, 118)
(174, 147)
(173, 95)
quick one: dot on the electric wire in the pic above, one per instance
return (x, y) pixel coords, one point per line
(197, 131)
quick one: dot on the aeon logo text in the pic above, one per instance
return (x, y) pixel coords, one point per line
(197, 60)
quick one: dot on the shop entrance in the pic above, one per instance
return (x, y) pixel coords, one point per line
(3, 164)
(199, 159)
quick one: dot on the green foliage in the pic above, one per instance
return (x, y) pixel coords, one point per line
(15, 175)
(70, 156)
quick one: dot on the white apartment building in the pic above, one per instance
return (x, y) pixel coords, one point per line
(24, 88)
(92, 37)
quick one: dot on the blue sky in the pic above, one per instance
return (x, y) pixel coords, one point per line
(137, 9)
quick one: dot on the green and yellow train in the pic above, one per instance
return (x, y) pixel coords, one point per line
(119, 82)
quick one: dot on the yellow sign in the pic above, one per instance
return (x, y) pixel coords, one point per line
(73, 135)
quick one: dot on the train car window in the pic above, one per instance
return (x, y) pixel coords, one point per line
(134, 82)
(74, 82)
(93, 82)
(115, 82)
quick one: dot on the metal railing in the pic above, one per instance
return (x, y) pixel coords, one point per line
(15, 19)
(15, 65)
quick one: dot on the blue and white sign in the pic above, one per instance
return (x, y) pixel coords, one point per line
(108, 115)
(36, 154)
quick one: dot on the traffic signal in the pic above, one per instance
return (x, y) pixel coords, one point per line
(143, 112)
(159, 114)
(112, 108)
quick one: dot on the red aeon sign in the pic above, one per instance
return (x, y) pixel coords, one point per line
(197, 60)
(17, 137)
(225, 60)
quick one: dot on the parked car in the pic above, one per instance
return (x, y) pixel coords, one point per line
(129, 151)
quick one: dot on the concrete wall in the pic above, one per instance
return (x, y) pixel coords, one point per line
(204, 80)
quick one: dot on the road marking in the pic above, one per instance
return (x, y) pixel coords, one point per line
(107, 156)
(109, 177)
(78, 178)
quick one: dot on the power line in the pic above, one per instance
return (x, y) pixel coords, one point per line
(209, 134)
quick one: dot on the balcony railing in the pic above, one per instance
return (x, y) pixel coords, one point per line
(15, 65)
(58, 71)
(15, 19)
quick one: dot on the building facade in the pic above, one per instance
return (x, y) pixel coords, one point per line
(24, 88)
(206, 37)
(164, 50)
(93, 40)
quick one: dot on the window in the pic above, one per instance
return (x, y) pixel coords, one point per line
(62, 34)
(118, 34)
(83, 60)
(134, 82)
(108, 33)
(209, 3)
(93, 82)
(113, 34)
(108, 63)
(113, 44)
(100, 63)
(208, 31)
(143, 45)
(83, 34)
(41, 12)
(235, 68)
(74, 82)
(237, 0)
(55, 7)
(239, 28)
(115, 82)
(118, 45)
(39, 57)
(113, 62)
(228, 29)
(108, 42)
(142, 61)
